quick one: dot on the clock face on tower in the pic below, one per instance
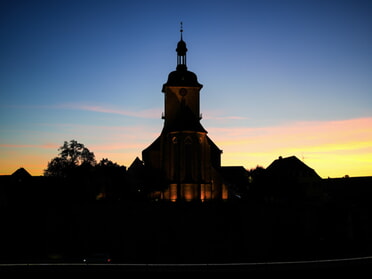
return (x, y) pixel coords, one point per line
(183, 92)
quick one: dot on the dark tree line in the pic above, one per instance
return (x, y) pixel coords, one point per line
(77, 167)
(74, 158)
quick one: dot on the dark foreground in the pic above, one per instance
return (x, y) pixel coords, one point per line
(258, 234)
(335, 266)
(185, 233)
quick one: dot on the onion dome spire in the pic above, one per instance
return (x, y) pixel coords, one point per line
(181, 52)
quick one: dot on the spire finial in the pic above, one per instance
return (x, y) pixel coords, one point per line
(181, 30)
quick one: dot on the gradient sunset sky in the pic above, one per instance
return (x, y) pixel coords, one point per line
(280, 78)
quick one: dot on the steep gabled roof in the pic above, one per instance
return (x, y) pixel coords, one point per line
(153, 146)
(21, 173)
(137, 163)
(185, 120)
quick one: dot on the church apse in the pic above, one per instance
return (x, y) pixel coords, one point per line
(185, 160)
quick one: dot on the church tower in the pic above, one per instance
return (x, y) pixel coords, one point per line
(182, 89)
(183, 160)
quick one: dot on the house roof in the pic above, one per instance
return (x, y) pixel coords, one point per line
(235, 174)
(21, 173)
(291, 167)
(136, 163)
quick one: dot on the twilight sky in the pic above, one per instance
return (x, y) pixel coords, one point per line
(280, 78)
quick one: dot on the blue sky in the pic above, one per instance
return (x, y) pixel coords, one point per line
(93, 71)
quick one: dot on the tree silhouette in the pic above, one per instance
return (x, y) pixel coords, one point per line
(106, 163)
(73, 155)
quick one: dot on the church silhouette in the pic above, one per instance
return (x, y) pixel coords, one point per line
(183, 162)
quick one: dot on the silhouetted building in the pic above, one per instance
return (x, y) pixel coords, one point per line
(183, 161)
(237, 180)
(290, 177)
(21, 174)
(137, 177)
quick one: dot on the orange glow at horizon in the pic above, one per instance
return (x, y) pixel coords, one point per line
(331, 148)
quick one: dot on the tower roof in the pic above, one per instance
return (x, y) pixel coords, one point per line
(181, 46)
(185, 120)
(182, 77)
